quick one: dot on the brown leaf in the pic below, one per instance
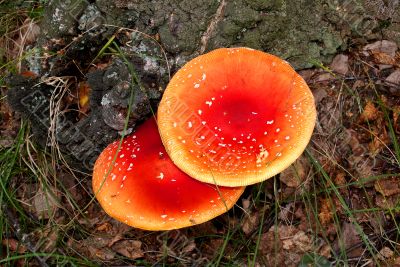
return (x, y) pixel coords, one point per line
(383, 58)
(385, 254)
(246, 204)
(189, 247)
(370, 112)
(325, 214)
(13, 245)
(104, 227)
(387, 202)
(380, 140)
(396, 262)
(340, 179)
(302, 241)
(393, 79)
(115, 239)
(388, 187)
(384, 46)
(340, 64)
(250, 223)
(104, 254)
(284, 245)
(396, 122)
(348, 240)
(296, 173)
(45, 202)
(129, 248)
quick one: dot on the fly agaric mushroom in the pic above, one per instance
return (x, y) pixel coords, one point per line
(236, 116)
(144, 189)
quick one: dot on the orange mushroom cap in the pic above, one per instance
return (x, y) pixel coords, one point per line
(236, 116)
(144, 189)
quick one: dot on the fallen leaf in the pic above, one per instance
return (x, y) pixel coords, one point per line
(386, 203)
(250, 223)
(103, 254)
(325, 214)
(396, 122)
(302, 241)
(396, 262)
(385, 253)
(380, 141)
(115, 239)
(323, 77)
(388, 187)
(104, 227)
(393, 80)
(285, 245)
(296, 173)
(307, 74)
(348, 240)
(45, 203)
(383, 59)
(383, 46)
(340, 64)
(131, 249)
(246, 204)
(340, 179)
(370, 112)
(189, 247)
(286, 213)
(13, 245)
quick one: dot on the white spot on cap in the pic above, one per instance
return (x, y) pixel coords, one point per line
(278, 130)
(161, 176)
(164, 216)
(130, 167)
(209, 103)
(200, 111)
(287, 137)
(197, 85)
(203, 77)
(262, 155)
(270, 122)
(190, 124)
(174, 124)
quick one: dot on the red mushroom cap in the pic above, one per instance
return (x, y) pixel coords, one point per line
(144, 189)
(236, 116)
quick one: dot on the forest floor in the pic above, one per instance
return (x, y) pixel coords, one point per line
(337, 205)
